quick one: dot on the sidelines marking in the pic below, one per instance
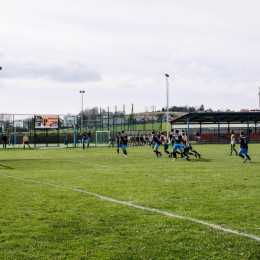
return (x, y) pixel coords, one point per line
(140, 207)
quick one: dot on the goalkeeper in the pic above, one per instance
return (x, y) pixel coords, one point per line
(26, 141)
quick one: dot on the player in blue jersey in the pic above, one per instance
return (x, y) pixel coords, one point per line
(176, 141)
(243, 151)
(123, 142)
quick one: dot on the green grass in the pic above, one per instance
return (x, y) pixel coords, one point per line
(50, 206)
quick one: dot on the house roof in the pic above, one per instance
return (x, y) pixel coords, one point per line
(215, 117)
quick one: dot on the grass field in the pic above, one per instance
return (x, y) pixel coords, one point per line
(95, 204)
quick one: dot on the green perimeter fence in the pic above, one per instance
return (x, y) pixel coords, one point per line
(15, 126)
(138, 128)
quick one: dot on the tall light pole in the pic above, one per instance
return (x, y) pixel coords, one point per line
(82, 92)
(259, 98)
(167, 104)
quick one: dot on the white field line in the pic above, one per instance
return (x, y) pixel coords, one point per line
(228, 230)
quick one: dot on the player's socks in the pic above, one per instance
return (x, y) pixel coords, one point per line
(241, 156)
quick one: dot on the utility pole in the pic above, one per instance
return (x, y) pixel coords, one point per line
(167, 105)
(259, 98)
(82, 92)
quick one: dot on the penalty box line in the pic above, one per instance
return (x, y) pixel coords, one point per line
(129, 204)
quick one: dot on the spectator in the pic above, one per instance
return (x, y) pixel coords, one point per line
(4, 140)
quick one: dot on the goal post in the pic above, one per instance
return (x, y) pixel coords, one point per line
(102, 137)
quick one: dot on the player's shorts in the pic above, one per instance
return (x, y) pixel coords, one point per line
(177, 146)
(88, 139)
(83, 141)
(232, 145)
(123, 146)
(118, 145)
(166, 146)
(186, 149)
(242, 151)
(156, 146)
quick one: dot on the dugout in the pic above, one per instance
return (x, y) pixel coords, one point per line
(214, 127)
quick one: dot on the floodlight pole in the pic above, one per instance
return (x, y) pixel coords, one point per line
(167, 105)
(82, 92)
(259, 98)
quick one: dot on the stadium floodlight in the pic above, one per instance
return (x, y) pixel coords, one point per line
(82, 92)
(167, 104)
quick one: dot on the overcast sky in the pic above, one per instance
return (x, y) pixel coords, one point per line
(119, 51)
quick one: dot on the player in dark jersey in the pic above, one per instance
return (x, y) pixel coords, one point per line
(157, 142)
(118, 144)
(83, 139)
(176, 144)
(243, 151)
(123, 142)
(170, 138)
(88, 138)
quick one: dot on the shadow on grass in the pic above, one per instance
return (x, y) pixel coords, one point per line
(201, 160)
(6, 167)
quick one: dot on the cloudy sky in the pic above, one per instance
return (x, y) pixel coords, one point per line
(119, 51)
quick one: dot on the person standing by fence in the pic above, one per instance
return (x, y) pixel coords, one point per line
(4, 140)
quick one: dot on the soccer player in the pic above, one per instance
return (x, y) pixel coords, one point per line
(243, 151)
(176, 144)
(188, 147)
(166, 145)
(118, 144)
(123, 141)
(111, 141)
(83, 139)
(233, 142)
(171, 141)
(157, 141)
(26, 141)
(88, 138)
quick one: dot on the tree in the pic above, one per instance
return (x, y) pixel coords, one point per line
(153, 108)
(201, 108)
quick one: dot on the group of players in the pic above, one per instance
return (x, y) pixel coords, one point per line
(85, 139)
(181, 145)
(179, 142)
(243, 151)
